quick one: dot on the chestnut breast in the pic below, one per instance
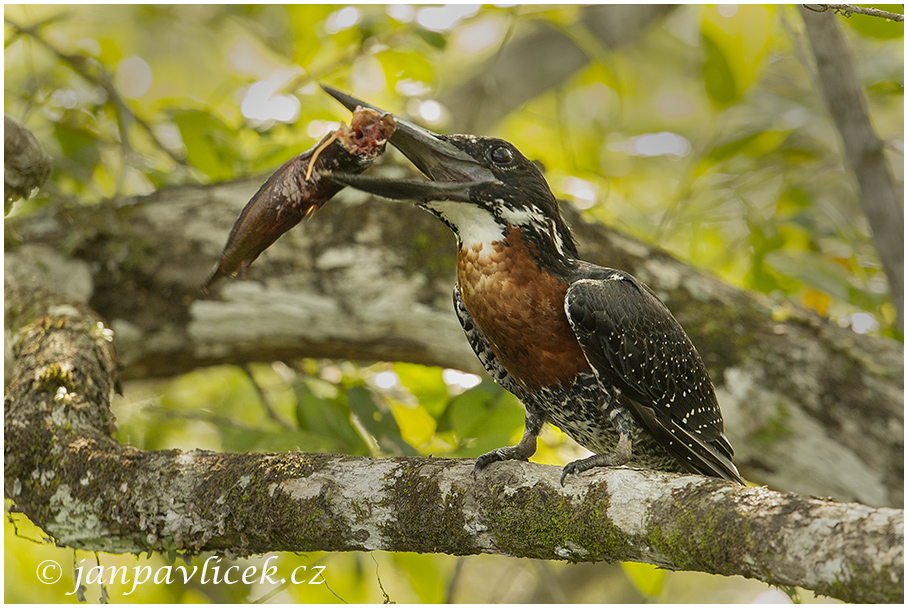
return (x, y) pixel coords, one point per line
(520, 309)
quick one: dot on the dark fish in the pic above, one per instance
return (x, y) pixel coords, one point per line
(298, 189)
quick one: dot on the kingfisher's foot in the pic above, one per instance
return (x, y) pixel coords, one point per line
(620, 456)
(521, 452)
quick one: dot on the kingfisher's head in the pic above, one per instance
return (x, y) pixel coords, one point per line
(479, 186)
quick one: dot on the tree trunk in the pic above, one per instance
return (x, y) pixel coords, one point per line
(863, 149)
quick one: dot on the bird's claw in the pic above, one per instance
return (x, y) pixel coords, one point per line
(500, 454)
(571, 468)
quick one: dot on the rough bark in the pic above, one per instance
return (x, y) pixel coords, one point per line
(809, 407)
(863, 149)
(64, 471)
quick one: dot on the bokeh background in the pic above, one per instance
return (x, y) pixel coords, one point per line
(699, 129)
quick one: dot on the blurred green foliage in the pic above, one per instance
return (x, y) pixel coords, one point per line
(706, 136)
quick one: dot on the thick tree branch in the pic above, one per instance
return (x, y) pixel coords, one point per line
(64, 471)
(864, 151)
(371, 280)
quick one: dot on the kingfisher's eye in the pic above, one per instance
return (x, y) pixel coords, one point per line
(501, 155)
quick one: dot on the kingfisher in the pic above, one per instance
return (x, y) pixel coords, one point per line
(587, 348)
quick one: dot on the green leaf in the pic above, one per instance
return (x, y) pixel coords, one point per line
(751, 145)
(737, 40)
(647, 579)
(812, 269)
(465, 411)
(380, 423)
(424, 576)
(305, 22)
(426, 384)
(719, 81)
(486, 416)
(434, 39)
(79, 147)
(207, 140)
(765, 238)
(235, 439)
(329, 419)
(399, 64)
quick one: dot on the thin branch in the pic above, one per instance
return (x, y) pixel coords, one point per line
(125, 114)
(263, 397)
(846, 10)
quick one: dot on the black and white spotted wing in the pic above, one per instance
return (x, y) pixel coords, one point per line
(635, 346)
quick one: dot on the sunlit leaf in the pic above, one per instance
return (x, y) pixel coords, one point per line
(398, 65)
(204, 137)
(719, 81)
(742, 35)
(817, 301)
(426, 384)
(417, 426)
(378, 422)
(425, 577)
(302, 20)
(647, 579)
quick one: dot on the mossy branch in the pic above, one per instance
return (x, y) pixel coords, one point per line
(368, 280)
(65, 472)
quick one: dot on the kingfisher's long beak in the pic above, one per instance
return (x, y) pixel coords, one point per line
(452, 171)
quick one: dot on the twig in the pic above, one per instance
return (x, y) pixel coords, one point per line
(266, 402)
(78, 64)
(846, 10)
(453, 581)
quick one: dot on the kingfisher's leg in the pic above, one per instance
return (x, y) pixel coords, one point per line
(623, 423)
(524, 449)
